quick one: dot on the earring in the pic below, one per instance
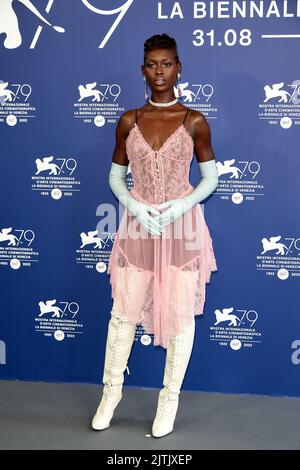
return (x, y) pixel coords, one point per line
(178, 86)
(146, 88)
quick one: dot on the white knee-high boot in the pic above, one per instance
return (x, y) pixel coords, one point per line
(177, 360)
(119, 343)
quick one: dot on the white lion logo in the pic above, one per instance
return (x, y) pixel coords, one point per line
(9, 22)
(226, 315)
(274, 91)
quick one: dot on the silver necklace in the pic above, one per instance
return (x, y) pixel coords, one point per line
(163, 104)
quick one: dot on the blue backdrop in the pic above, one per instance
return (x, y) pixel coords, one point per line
(68, 70)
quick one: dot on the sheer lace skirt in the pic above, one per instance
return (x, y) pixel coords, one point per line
(159, 281)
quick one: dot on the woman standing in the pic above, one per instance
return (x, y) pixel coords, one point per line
(162, 255)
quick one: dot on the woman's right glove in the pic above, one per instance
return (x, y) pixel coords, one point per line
(118, 185)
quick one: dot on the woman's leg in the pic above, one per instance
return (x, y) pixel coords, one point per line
(177, 360)
(119, 343)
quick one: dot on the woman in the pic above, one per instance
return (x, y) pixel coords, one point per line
(162, 255)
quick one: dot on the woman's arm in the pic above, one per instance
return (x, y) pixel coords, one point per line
(118, 185)
(122, 130)
(206, 161)
(120, 162)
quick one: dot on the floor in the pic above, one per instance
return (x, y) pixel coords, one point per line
(35, 415)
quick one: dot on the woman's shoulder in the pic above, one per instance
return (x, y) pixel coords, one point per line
(129, 117)
(126, 120)
(196, 123)
(195, 115)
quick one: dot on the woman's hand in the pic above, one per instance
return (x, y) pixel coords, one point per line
(140, 211)
(175, 209)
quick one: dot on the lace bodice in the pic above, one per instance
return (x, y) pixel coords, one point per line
(160, 175)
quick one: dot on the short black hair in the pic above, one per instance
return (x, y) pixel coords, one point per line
(161, 41)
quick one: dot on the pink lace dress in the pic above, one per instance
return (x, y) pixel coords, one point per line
(158, 281)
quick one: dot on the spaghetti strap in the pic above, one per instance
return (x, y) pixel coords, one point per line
(186, 115)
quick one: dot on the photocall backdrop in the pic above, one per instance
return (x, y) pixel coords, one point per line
(68, 70)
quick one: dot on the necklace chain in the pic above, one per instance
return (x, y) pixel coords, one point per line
(163, 104)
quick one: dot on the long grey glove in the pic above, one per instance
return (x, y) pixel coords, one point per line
(118, 185)
(177, 207)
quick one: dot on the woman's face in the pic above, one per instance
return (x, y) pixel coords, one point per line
(160, 69)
